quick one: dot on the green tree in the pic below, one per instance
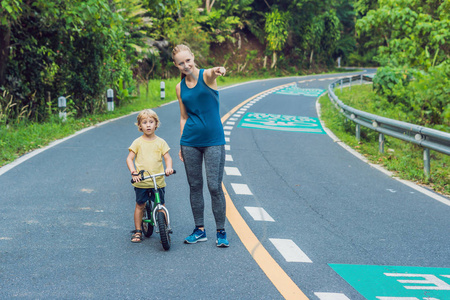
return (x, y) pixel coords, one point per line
(276, 32)
(222, 18)
(414, 56)
(10, 12)
(414, 33)
(312, 35)
(65, 48)
(346, 45)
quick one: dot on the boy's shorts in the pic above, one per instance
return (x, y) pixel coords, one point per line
(142, 195)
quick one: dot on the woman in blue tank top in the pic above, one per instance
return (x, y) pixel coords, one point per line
(202, 139)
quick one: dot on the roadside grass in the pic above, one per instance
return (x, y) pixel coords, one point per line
(402, 158)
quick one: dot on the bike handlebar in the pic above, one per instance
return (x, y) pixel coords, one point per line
(150, 175)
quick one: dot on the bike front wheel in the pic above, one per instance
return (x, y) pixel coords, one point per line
(146, 224)
(163, 230)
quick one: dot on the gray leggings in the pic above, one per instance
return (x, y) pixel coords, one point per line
(214, 157)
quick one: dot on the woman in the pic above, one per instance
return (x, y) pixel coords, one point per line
(202, 138)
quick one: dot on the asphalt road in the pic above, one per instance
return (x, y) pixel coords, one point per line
(337, 227)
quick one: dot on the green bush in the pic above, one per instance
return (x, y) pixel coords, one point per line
(420, 97)
(429, 96)
(391, 83)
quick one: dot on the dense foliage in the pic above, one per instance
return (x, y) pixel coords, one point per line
(78, 49)
(414, 53)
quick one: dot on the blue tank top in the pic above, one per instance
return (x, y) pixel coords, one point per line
(203, 127)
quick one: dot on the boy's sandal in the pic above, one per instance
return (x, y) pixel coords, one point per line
(137, 236)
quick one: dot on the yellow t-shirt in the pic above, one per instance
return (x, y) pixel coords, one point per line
(149, 157)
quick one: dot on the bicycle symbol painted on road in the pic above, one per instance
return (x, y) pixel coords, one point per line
(281, 122)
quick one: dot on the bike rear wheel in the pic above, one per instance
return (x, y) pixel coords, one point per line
(147, 227)
(163, 230)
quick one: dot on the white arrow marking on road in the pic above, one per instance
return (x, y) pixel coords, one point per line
(290, 251)
(259, 214)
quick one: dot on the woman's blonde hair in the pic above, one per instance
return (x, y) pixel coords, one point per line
(180, 48)
(147, 113)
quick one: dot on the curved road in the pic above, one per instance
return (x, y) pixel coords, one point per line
(306, 219)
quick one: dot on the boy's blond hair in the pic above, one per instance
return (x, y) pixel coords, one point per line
(147, 113)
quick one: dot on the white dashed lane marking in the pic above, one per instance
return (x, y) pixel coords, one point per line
(227, 127)
(331, 296)
(232, 171)
(259, 214)
(228, 157)
(290, 251)
(241, 189)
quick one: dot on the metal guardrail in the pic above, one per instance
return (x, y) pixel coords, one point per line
(429, 139)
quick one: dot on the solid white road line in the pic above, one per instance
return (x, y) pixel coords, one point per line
(241, 189)
(331, 296)
(290, 251)
(259, 214)
(232, 171)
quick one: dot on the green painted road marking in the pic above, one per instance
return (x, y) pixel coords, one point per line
(397, 283)
(281, 122)
(294, 90)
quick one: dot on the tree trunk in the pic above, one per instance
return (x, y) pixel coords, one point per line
(274, 60)
(311, 58)
(239, 40)
(209, 6)
(5, 39)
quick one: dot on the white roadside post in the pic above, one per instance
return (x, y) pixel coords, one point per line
(110, 99)
(62, 103)
(163, 90)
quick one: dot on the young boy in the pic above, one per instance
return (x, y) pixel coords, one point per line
(146, 153)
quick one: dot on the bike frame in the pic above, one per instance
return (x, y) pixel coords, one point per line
(157, 206)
